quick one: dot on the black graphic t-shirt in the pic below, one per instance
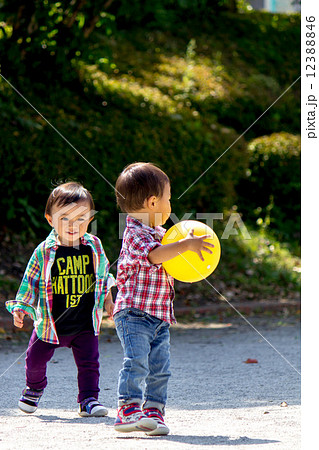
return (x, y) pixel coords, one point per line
(73, 285)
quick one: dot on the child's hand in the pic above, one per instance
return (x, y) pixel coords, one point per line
(193, 243)
(18, 318)
(197, 244)
(108, 304)
(109, 308)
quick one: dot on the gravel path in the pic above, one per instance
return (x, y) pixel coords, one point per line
(215, 399)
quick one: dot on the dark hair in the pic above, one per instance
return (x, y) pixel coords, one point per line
(67, 193)
(138, 182)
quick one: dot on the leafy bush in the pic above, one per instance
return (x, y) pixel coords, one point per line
(166, 14)
(229, 76)
(253, 106)
(43, 36)
(109, 138)
(179, 97)
(270, 193)
(256, 267)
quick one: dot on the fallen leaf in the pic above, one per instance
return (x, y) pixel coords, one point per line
(251, 361)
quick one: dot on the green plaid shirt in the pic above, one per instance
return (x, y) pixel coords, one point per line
(35, 297)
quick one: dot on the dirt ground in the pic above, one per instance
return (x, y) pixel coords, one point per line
(216, 400)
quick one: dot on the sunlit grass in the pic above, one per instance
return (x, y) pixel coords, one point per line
(159, 79)
(136, 91)
(261, 263)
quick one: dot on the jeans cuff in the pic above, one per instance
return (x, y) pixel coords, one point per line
(152, 404)
(128, 401)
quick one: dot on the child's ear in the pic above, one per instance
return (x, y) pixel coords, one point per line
(151, 202)
(49, 219)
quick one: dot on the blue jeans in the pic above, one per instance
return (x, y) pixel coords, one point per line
(145, 341)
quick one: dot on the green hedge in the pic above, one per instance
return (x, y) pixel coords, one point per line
(178, 98)
(270, 192)
(34, 156)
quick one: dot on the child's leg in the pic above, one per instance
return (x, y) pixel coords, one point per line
(86, 355)
(135, 330)
(159, 373)
(38, 355)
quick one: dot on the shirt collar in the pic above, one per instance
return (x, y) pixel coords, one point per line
(52, 239)
(131, 222)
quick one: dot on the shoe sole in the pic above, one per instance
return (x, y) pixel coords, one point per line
(159, 431)
(146, 425)
(100, 412)
(27, 408)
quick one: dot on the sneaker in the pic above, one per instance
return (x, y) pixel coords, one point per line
(156, 415)
(91, 407)
(29, 400)
(130, 418)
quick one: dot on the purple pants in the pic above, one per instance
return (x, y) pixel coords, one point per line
(86, 356)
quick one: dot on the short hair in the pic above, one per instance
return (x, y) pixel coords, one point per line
(137, 183)
(68, 193)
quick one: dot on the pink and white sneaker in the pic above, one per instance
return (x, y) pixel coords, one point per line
(131, 418)
(155, 414)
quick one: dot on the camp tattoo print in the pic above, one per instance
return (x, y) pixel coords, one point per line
(73, 279)
(73, 286)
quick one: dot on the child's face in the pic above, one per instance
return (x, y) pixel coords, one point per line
(70, 221)
(163, 206)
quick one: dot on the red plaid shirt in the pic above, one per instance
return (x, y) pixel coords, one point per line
(141, 284)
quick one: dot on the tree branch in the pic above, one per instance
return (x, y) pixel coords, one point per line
(68, 22)
(91, 25)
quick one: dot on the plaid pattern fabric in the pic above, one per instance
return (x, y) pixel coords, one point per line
(35, 297)
(141, 284)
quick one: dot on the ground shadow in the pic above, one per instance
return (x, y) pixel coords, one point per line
(206, 440)
(74, 420)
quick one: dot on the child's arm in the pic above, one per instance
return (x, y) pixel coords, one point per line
(27, 295)
(109, 281)
(193, 243)
(109, 305)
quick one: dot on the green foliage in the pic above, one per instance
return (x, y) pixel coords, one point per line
(179, 91)
(270, 193)
(166, 14)
(109, 139)
(44, 36)
(258, 266)
(253, 266)
(253, 75)
(180, 98)
(228, 75)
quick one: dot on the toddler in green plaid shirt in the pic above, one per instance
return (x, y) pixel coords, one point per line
(63, 290)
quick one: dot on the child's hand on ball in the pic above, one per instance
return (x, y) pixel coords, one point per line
(179, 245)
(197, 244)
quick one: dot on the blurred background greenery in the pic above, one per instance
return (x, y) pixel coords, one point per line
(175, 82)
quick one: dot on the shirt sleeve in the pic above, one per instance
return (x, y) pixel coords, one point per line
(139, 248)
(28, 291)
(104, 267)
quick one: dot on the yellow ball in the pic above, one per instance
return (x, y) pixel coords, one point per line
(188, 267)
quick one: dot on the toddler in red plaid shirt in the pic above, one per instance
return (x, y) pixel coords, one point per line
(144, 305)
